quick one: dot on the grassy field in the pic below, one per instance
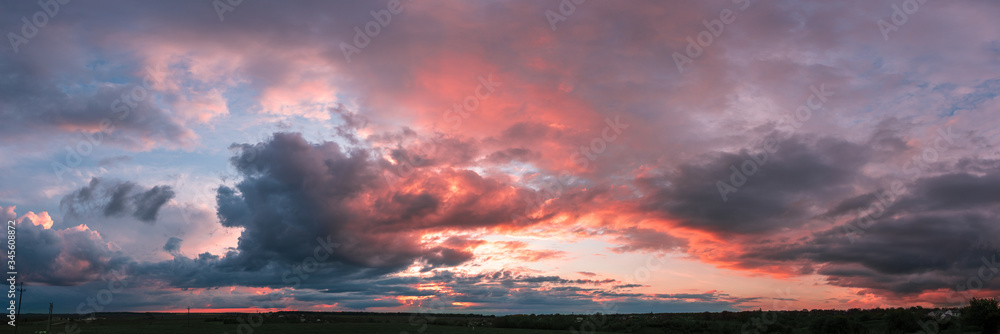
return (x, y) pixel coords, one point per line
(875, 321)
(180, 326)
(174, 327)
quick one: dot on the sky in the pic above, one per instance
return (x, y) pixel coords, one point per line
(501, 157)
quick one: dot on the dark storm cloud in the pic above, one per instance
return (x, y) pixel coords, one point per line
(851, 204)
(921, 238)
(935, 236)
(297, 199)
(801, 170)
(114, 198)
(957, 191)
(293, 192)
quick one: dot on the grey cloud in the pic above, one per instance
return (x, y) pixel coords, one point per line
(800, 171)
(173, 245)
(113, 161)
(929, 238)
(296, 197)
(114, 198)
(71, 256)
(148, 203)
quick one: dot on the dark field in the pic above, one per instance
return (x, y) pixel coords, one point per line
(172, 326)
(282, 322)
(979, 318)
(161, 323)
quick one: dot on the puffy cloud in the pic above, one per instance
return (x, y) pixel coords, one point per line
(42, 219)
(297, 198)
(70, 256)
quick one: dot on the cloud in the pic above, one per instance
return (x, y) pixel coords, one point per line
(297, 198)
(148, 203)
(113, 198)
(934, 237)
(131, 123)
(42, 219)
(803, 211)
(173, 246)
(636, 239)
(113, 161)
(801, 170)
(70, 256)
(422, 199)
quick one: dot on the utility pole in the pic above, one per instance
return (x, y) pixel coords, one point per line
(19, 297)
(189, 317)
(48, 328)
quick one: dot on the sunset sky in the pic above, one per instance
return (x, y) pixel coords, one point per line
(501, 157)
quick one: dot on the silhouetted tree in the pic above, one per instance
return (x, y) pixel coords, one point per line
(901, 321)
(983, 312)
